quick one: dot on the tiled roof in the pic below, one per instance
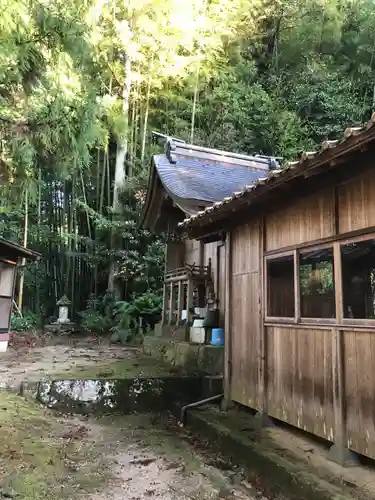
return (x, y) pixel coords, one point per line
(327, 151)
(195, 178)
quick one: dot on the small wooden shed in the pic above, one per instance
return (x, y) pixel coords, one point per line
(10, 253)
(300, 291)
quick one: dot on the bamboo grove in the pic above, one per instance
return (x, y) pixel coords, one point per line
(83, 84)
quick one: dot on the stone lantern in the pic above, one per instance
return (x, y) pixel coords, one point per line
(63, 304)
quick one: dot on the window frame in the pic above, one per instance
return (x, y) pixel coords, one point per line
(339, 320)
(307, 319)
(353, 321)
(278, 319)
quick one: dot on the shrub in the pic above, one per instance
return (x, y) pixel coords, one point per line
(28, 321)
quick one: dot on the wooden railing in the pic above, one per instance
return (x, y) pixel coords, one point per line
(188, 272)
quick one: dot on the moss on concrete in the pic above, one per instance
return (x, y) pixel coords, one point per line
(39, 459)
(192, 358)
(233, 434)
(143, 366)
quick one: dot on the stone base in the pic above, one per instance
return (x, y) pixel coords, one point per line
(262, 420)
(192, 358)
(283, 470)
(171, 332)
(343, 456)
(62, 327)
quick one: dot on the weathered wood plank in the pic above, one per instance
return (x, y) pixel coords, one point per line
(351, 390)
(299, 363)
(357, 203)
(245, 319)
(365, 440)
(228, 331)
(308, 219)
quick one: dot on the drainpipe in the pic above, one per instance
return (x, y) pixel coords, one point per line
(181, 423)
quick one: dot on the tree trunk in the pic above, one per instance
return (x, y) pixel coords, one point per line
(192, 126)
(38, 229)
(145, 123)
(120, 173)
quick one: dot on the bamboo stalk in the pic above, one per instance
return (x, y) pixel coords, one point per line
(25, 235)
(145, 123)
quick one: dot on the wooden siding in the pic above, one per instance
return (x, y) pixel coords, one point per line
(299, 378)
(308, 219)
(175, 257)
(245, 319)
(357, 203)
(192, 249)
(359, 370)
(216, 252)
(221, 289)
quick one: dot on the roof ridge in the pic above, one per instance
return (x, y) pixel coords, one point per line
(326, 149)
(175, 145)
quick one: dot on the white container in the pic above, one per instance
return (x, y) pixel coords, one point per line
(4, 339)
(198, 323)
(197, 334)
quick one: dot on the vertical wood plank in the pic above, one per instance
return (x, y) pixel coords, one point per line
(337, 270)
(180, 299)
(217, 275)
(170, 320)
(297, 294)
(338, 389)
(262, 330)
(189, 301)
(164, 317)
(307, 219)
(351, 389)
(227, 331)
(201, 253)
(365, 392)
(338, 368)
(336, 220)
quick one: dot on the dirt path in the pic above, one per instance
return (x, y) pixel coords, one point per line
(81, 358)
(152, 462)
(131, 457)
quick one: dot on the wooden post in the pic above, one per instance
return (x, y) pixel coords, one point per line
(170, 304)
(339, 451)
(217, 276)
(180, 299)
(262, 328)
(189, 300)
(201, 254)
(164, 317)
(227, 322)
(297, 294)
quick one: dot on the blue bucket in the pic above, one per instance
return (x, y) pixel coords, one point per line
(217, 337)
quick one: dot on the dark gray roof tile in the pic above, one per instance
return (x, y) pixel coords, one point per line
(202, 179)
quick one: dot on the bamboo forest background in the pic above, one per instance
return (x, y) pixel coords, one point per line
(83, 84)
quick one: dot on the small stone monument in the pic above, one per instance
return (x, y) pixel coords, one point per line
(63, 304)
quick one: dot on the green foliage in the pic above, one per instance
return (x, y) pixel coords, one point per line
(28, 321)
(121, 318)
(98, 316)
(128, 314)
(249, 76)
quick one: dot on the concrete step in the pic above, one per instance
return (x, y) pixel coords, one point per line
(192, 358)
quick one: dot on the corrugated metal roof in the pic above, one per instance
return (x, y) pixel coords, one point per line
(204, 179)
(327, 150)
